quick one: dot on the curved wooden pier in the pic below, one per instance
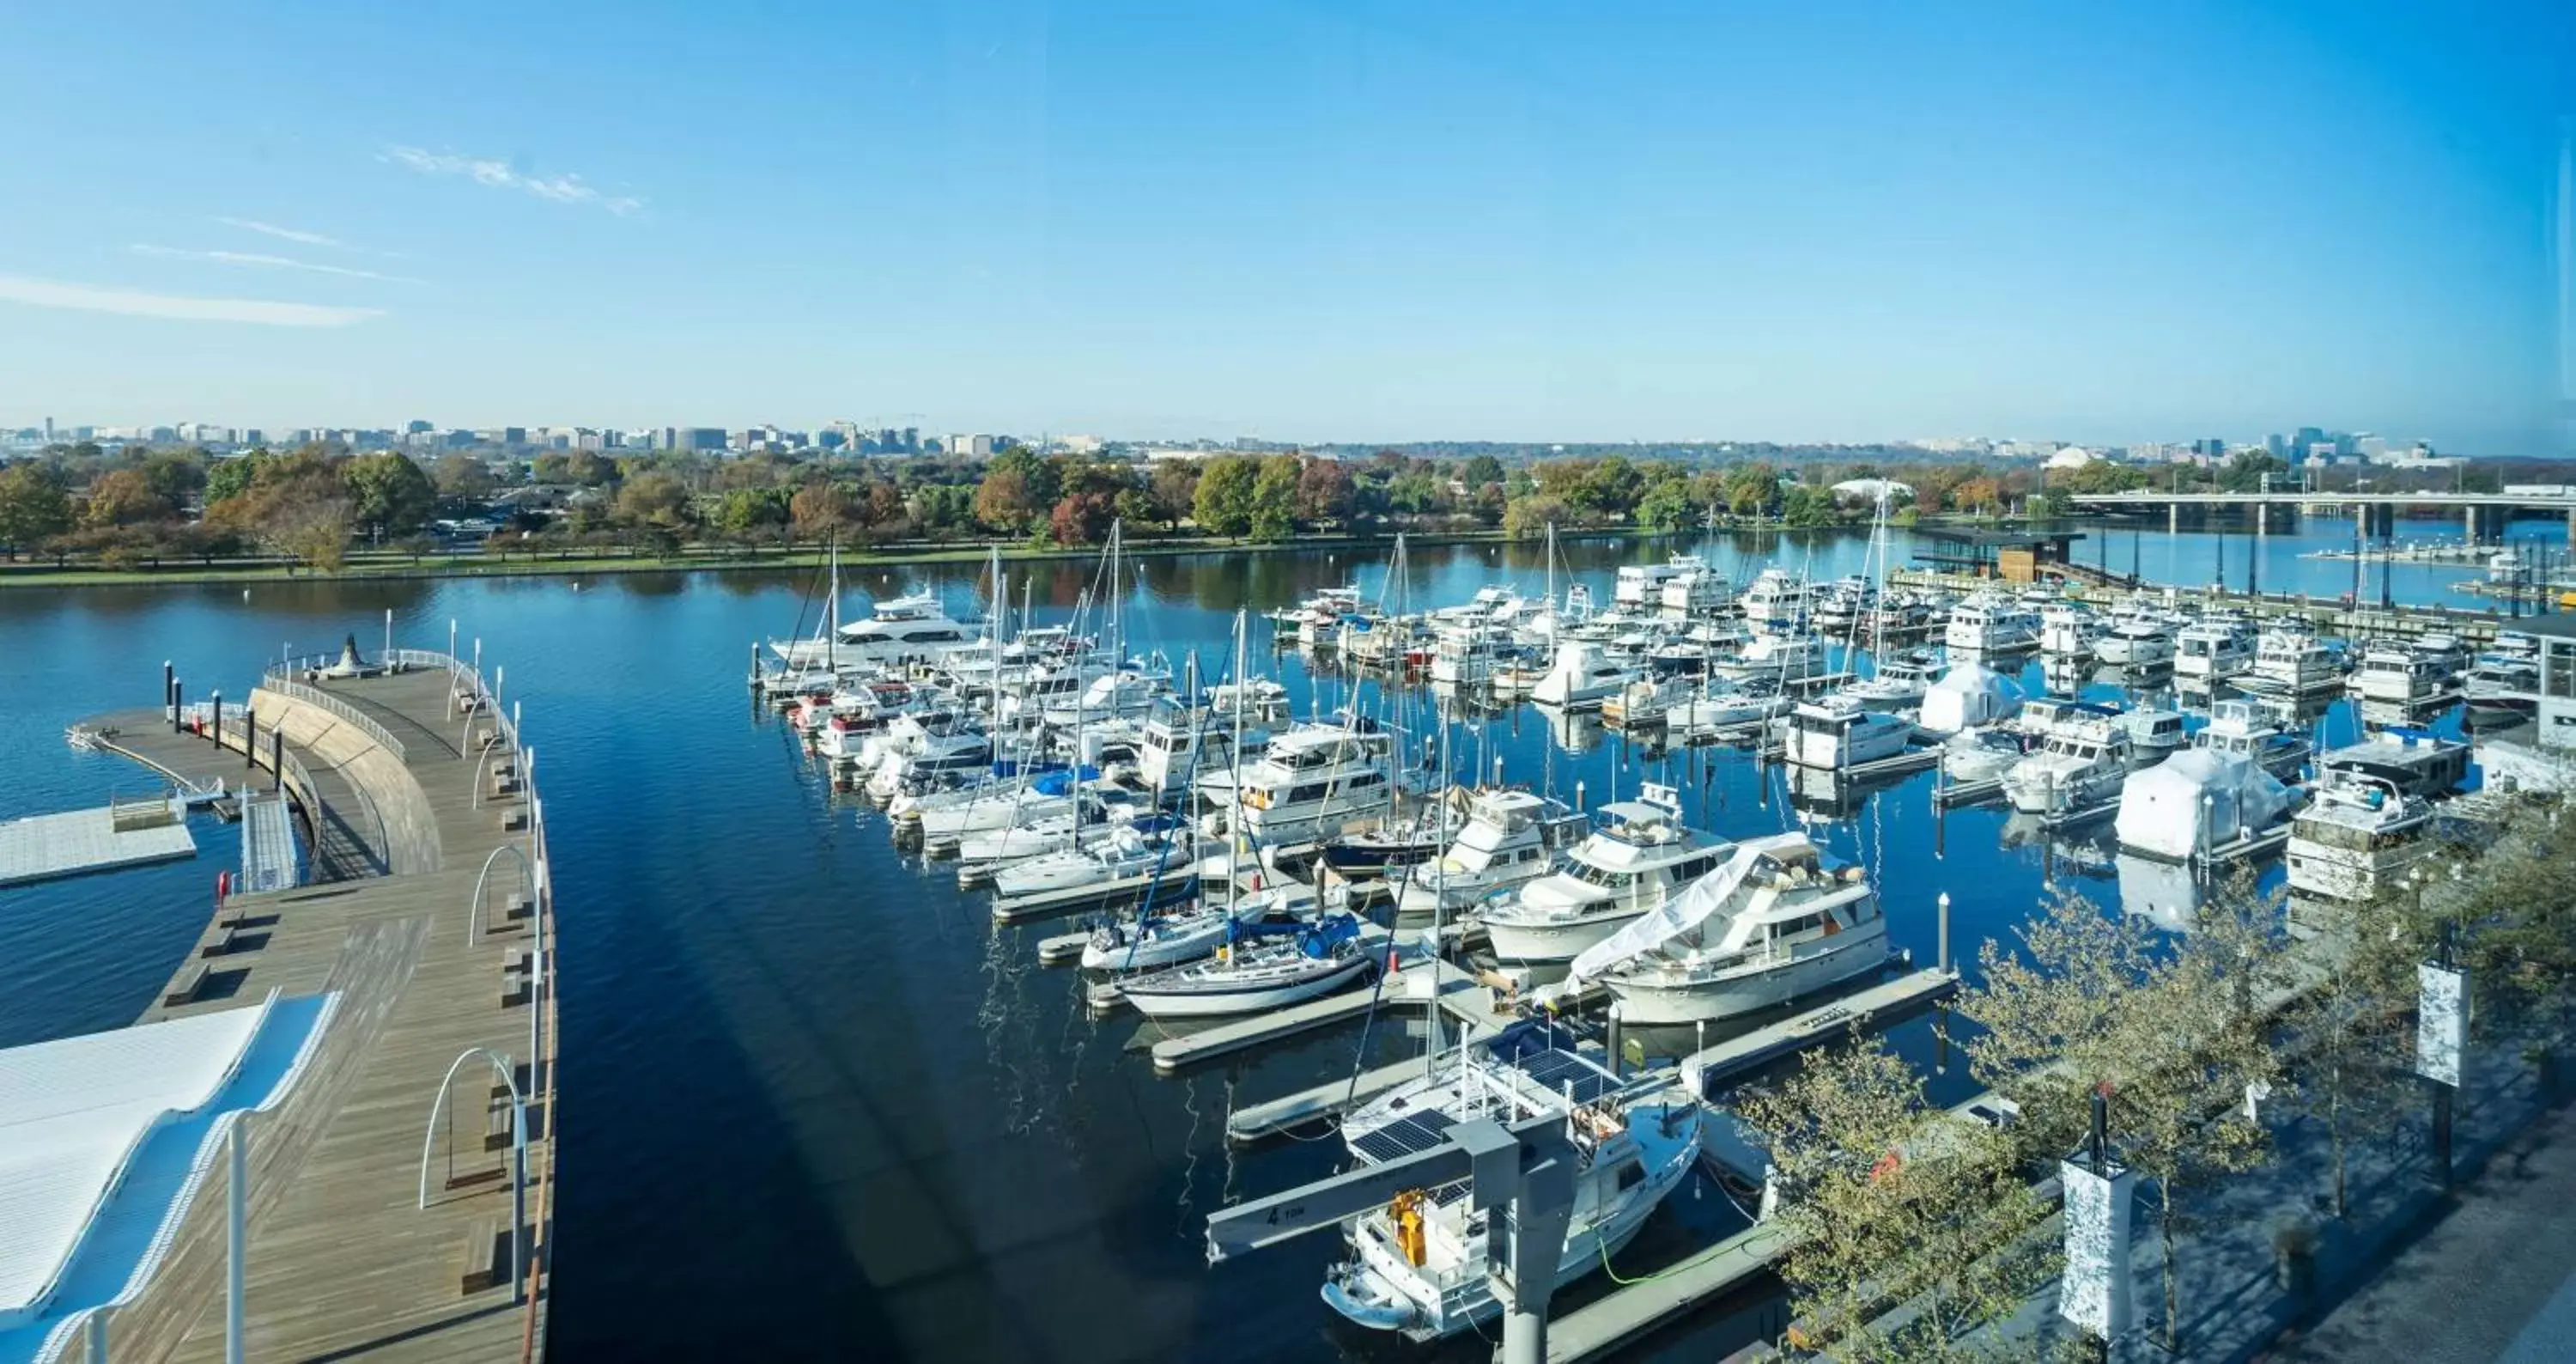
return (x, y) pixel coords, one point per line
(428, 909)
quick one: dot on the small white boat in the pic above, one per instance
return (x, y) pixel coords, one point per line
(1511, 837)
(1642, 855)
(1839, 732)
(2357, 834)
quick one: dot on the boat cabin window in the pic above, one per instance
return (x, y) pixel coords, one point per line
(1631, 1174)
(1603, 876)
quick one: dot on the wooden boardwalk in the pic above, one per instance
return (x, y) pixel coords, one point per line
(342, 1262)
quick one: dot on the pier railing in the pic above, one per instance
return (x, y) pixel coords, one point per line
(315, 696)
(467, 681)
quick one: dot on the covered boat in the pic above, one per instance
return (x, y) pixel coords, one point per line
(1969, 695)
(2197, 800)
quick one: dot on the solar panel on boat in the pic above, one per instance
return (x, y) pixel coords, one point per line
(1555, 1070)
(1415, 1132)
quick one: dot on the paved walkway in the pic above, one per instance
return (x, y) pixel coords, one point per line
(2493, 1280)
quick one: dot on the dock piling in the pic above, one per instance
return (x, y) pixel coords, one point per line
(1943, 959)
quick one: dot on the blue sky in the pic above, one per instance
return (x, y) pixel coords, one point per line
(1302, 221)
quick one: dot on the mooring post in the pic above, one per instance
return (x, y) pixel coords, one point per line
(178, 699)
(216, 698)
(276, 758)
(170, 677)
(1944, 903)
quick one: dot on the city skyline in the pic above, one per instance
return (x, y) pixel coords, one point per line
(1327, 224)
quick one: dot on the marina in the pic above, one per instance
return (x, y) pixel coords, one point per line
(1410, 776)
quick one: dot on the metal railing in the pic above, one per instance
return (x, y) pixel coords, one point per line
(314, 696)
(467, 681)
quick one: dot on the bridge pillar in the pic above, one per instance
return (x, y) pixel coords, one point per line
(2173, 519)
(2469, 516)
(2571, 529)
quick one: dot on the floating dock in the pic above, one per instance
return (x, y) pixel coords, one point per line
(1702, 1072)
(1253, 1122)
(78, 842)
(1650, 1302)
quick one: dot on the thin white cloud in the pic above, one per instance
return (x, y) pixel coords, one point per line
(562, 189)
(179, 307)
(261, 258)
(300, 238)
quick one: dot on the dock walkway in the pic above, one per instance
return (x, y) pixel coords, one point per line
(342, 1263)
(77, 842)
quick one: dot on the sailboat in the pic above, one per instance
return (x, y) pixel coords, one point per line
(1261, 968)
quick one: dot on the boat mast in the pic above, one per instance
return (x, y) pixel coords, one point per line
(832, 610)
(1234, 761)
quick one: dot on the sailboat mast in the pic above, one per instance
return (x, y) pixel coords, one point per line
(832, 610)
(1234, 762)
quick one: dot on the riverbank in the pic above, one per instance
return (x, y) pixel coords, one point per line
(714, 558)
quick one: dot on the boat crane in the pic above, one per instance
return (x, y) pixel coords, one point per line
(1521, 1175)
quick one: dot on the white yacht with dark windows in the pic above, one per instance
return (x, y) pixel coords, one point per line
(1640, 856)
(1842, 731)
(1777, 601)
(2079, 765)
(1772, 923)
(2237, 727)
(2401, 673)
(2136, 640)
(1510, 837)
(2357, 834)
(899, 629)
(1313, 777)
(2292, 661)
(1991, 624)
(2068, 629)
(1643, 584)
(2212, 650)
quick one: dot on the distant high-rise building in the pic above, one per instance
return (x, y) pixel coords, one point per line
(414, 428)
(514, 435)
(2277, 445)
(703, 438)
(49, 430)
(911, 440)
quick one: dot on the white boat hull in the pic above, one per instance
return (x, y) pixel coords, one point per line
(1553, 942)
(1254, 999)
(1646, 998)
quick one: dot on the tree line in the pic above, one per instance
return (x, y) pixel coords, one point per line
(1916, 1234)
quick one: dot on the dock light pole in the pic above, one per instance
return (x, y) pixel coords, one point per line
(169, 689)
(2094, 1293)
(2441, 1030)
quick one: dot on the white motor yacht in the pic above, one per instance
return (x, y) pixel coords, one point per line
(2237, 727)
(1510, 837)
(1773, 923)
(1717, 708)
(2401, 673)
(1783, 658)
(1583, 675)
(1312, 776)
(899, 629)
(2212, 650)
(1641, 855)
(1643, 584)
(1989, 624)
(2290, 661)
(2068, 630)
(2136, 641)
(1420, 1265)
(1840, 731)
(2078, 765)
(1777, 602)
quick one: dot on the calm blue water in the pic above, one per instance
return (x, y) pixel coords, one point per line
(814, 1103)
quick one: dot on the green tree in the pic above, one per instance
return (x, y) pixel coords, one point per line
(230, 478)
(1752, 488)
(1223, 501)
(1326, 492)
(1174, 484)
(2356, 1045)
(1610, 487)
(747, 512)
(1274, 498)
(462, 476)
(34, 507)
(1481, 470)
(175, 475)
(1886, 1201)
(306, 514)
(1527, 518)
(1665, 507)
(389, 494)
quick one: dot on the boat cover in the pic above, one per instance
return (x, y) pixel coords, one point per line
(1968, 695)
(1680, 914)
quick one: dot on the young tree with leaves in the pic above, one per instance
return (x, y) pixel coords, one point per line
(1905, 1230)
(2173, 1030)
